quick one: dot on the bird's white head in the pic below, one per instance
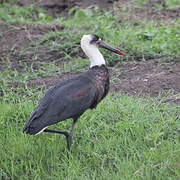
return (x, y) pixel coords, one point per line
(90, 44)
(91, 50)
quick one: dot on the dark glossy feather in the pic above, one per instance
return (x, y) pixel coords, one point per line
(67, 100)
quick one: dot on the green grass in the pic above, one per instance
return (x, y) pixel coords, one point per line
(139, 39)
(123, 138)
(28, 14)
(172, 3)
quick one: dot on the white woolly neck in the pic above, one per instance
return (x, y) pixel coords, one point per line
(91, 51)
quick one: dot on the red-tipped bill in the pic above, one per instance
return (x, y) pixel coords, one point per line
(108, 47)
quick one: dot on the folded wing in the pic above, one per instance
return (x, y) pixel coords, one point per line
(67, 100)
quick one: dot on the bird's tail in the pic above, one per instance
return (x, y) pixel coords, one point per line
(33, 130)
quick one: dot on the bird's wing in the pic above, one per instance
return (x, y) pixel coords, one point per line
(46, 100)
(67, 100)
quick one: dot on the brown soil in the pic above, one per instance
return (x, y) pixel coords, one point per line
(149, 11)
(15, 38)
(146, 12)
(56, 8)
(139, 78)
(152, 13)
(148, 78)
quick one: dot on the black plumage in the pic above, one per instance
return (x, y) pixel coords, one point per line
(71, 98)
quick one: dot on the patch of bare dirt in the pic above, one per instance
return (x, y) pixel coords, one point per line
(13, 38)
(154, 13)
(57, 8)
(148, 78)
(19, 35)
(147, 12)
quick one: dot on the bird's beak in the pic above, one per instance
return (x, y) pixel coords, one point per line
(108, 47)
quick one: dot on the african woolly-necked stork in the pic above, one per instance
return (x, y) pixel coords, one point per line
(71, 98)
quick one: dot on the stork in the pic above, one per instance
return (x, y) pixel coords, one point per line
(71, 98)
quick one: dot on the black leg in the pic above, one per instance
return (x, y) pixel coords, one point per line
(69, 142)
(65, 133)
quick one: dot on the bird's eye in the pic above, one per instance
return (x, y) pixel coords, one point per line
(93, 41)
(95, 38)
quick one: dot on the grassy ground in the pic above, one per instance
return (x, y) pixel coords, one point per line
(125, 137)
